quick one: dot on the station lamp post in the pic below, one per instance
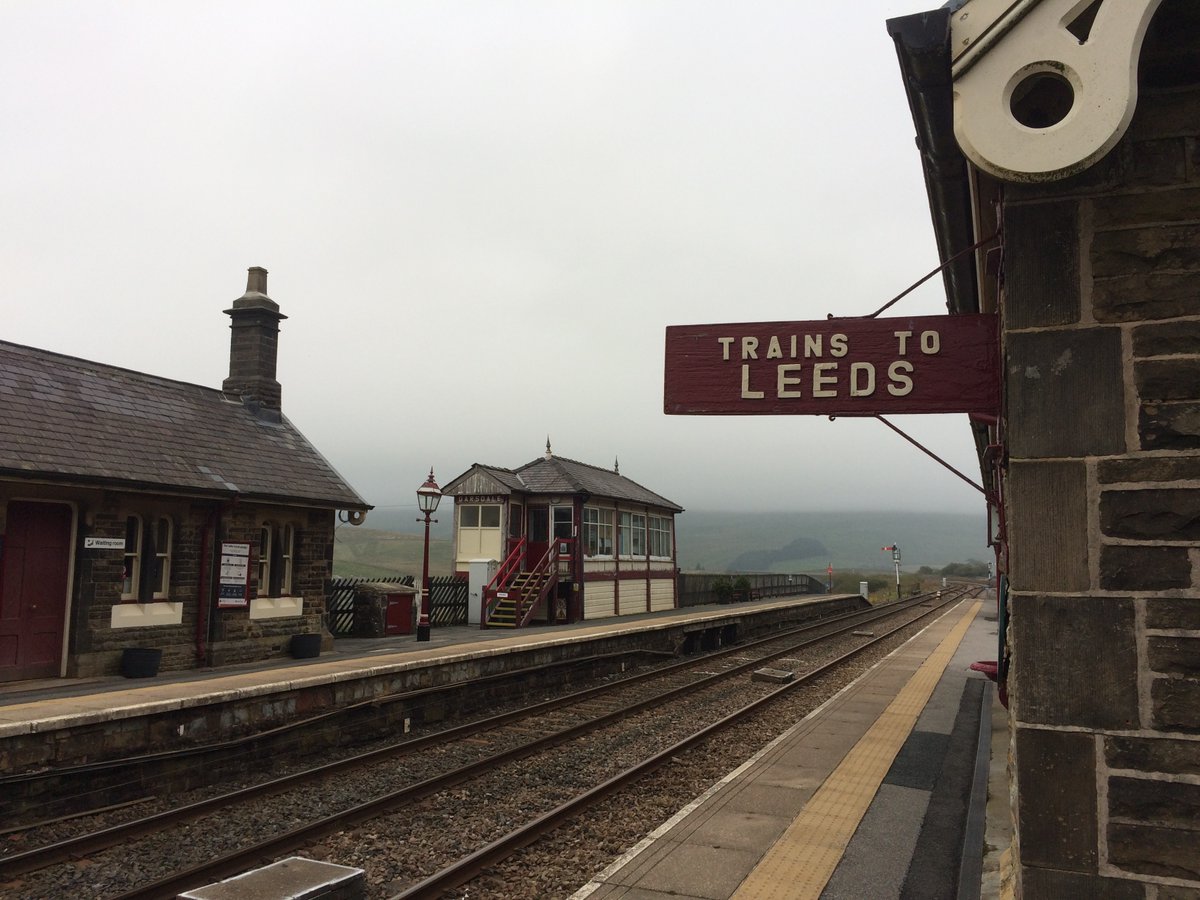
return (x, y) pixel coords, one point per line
(429, 495)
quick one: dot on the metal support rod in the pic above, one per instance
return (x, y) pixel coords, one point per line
(908, 290)
(931, 455)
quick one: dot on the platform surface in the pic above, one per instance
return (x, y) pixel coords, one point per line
(867, 797)
(63, 702)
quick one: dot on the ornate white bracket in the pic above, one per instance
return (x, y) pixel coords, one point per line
(1044, 88)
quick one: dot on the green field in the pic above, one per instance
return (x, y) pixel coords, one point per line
(370, 553)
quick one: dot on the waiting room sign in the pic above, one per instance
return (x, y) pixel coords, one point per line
(835, 367)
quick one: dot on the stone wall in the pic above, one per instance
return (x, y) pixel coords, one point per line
(1101, 317)
(236, 637)
(94, 646)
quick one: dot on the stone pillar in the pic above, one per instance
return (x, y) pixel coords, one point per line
(1101, 322)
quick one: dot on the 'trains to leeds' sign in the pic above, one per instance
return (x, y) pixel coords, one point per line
(834, 367)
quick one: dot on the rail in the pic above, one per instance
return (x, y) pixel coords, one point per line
(238, 860)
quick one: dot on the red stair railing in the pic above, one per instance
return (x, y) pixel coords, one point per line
(504, 574)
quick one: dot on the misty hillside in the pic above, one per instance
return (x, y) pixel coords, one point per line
(716, 542)
(809, 541)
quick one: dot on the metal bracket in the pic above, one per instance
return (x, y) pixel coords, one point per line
(1044, 88)
(924, 278)
(932, 455)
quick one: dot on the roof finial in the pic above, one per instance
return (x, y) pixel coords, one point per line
(616, 465)
(549, 455)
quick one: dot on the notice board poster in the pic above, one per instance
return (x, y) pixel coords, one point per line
(234, 586)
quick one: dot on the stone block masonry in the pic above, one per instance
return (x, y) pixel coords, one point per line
(1101, 319)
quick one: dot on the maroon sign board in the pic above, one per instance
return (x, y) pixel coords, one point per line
(834, 367)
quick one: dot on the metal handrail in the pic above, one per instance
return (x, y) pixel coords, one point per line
(508, 568)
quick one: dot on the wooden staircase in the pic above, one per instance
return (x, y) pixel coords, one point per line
(521, 592)
(513, 595)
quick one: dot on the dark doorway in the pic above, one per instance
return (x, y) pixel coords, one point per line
(538, 534)
(33, 589)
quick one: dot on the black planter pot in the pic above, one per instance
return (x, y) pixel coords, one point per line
(305, 646)
(140, 662)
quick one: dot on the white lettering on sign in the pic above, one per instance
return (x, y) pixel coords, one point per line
(901, 383)
(836, 367)
(100, 543)
(748, 394)
(826, 379)
(862, 379)
(812, 345)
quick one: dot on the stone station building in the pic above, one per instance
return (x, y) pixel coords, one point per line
(131, 505)
(1071, 132)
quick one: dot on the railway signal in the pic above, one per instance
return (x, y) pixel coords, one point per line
(895, 551)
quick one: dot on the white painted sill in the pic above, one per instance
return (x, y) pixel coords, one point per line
(276, 607)
(144, 615)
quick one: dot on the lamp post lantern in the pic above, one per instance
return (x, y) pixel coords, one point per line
(429, 495)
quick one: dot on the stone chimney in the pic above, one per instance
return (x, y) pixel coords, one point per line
(254, 344)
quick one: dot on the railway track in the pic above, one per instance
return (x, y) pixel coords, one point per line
(439, 763)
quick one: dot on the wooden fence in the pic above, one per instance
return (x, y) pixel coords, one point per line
(697, 588)
(447, 597)
(448, 600)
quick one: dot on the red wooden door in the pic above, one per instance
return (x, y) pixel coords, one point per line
(33, 589)
(538, 535)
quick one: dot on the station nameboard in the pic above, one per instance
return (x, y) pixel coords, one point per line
(835, 367)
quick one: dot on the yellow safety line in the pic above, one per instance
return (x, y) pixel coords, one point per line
(802, 861)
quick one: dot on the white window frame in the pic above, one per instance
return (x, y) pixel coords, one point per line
(132, 559)
(266, 535)
(629, 535)
(598, 527)
(287, 548)
(662, 533)
(163, 557)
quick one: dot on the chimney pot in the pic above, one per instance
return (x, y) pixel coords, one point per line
(253, 347)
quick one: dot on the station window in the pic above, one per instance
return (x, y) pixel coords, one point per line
(660, 536)
(161, 576)
(287, 540)
(633, 534)
(147, 572)
(479, 531)
(265, 549)
(133, 558)
(564, 522)
(276, 551)
(597, 531)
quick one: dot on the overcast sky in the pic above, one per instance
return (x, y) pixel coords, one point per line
(478, 217)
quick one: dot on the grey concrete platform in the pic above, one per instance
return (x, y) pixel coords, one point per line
(908, 839)
(39, 719)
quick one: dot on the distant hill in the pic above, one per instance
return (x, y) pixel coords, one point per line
(809, 541)
(714, 542)
(762, 560)
(371, 553)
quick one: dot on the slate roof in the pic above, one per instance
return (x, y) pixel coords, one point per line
(559, 475)
(68, 419)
